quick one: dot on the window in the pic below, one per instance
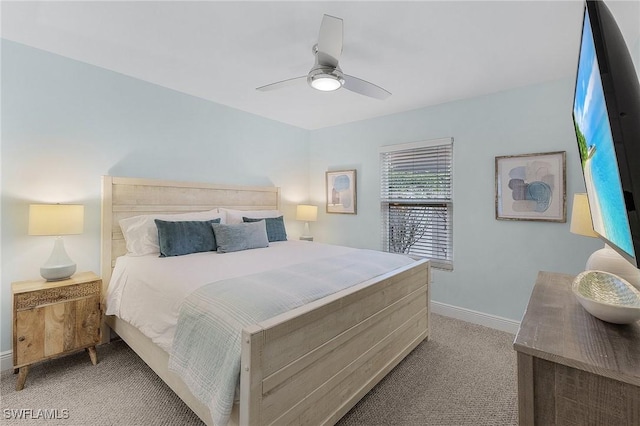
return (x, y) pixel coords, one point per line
(416, 200)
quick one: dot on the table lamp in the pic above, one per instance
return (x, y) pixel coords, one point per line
(58, 220)
(606, 259)
(308, 214)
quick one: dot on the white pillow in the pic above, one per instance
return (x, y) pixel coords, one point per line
(235, 216)
(141, 232)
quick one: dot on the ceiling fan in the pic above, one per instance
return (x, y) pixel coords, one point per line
(326, 74)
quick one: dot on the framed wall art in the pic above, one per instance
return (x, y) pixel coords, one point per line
(531, 187)
(341, 191)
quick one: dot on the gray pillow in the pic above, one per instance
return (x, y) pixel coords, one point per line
(241, 236)
(185, 237)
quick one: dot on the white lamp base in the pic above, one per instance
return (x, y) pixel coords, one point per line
(59, 266)
(608, 260)
(306, 236)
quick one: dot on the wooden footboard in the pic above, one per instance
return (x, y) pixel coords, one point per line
(313, 364)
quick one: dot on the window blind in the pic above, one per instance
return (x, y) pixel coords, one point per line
(417, 201)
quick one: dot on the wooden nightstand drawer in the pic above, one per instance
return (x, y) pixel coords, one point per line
(48, 296)
(55, 318)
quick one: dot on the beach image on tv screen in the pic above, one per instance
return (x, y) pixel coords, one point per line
(597, 152)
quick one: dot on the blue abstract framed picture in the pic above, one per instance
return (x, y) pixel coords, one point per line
(341, 191)
(531, 187)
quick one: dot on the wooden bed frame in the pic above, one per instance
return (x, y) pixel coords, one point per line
(310, 365)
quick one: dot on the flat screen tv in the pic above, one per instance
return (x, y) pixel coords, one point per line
(606, 115)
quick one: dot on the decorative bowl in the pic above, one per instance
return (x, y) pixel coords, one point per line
(607, 296)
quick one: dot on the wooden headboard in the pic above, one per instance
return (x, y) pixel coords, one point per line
(126, 197)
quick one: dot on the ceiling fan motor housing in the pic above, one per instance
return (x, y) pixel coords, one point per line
(325, 78)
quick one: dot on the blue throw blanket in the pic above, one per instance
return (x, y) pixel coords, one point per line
(207, 344)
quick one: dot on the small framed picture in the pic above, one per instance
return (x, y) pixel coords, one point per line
(531, 187)
(341, 191)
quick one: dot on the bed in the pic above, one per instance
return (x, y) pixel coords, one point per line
(301, 366)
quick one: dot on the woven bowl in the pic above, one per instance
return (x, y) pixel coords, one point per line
(607, 296)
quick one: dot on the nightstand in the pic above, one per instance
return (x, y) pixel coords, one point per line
(53, 318)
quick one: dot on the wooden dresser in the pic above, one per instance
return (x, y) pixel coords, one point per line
(574, 369)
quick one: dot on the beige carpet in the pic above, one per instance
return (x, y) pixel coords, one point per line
(464, 375)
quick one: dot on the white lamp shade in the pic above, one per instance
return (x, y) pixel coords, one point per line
(581, 223)
(56, 219)
(307, 213)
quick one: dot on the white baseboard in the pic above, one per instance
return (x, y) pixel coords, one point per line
(6, 360)
(475, 317)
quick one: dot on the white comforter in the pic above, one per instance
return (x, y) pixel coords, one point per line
(147, 291)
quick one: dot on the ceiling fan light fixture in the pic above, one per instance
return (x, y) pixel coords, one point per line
(325, 80)
(325, 83)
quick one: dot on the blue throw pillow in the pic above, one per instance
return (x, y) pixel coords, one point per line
(275, 227)
(185, 237)
(240, 236)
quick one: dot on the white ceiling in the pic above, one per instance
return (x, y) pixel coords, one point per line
(425, 53)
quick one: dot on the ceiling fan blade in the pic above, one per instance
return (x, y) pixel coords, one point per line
(330, 41)
(364, 87)
(281, 84)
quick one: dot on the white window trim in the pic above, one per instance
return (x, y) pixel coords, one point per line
(415, 145)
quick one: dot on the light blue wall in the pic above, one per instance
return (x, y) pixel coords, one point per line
(495, 262)
(66, 123)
